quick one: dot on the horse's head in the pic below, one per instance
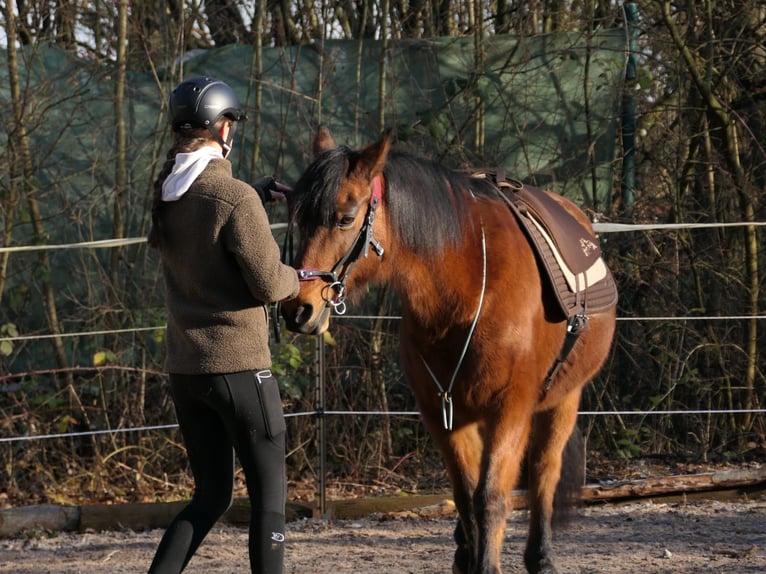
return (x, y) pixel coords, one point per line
(336, 206)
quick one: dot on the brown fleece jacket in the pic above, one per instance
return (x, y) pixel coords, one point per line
(222, 268)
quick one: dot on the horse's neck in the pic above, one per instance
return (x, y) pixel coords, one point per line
(434, 300)
(444, 292)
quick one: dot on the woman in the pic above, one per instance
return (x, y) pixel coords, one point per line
(222, 268)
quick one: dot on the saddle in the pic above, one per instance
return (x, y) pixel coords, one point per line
(568, 253)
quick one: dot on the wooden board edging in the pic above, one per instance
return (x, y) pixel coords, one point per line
(147, 515)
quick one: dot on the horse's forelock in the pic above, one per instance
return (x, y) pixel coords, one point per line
(316, 191)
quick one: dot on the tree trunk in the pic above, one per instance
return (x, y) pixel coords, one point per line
(22, 174)
(746, 193)
(121, 155)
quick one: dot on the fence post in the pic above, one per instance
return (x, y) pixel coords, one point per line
(320, 430)
(629, 111)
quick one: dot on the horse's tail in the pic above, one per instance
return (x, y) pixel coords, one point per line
(568, 495)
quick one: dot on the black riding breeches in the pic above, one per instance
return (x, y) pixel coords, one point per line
(220, 416)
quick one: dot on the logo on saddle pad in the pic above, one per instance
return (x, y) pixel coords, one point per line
(587, 246)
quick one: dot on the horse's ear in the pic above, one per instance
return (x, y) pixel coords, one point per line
(373, 158)
(323, 141)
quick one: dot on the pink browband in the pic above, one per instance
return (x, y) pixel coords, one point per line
(377, 190)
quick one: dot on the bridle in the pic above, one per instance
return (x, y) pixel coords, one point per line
(334, 293)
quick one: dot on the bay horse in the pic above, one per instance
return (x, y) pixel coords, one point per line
(477, 335)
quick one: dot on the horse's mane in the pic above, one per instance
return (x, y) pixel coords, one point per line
(427, 202)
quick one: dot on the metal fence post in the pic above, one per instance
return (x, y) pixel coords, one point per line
(320, 430)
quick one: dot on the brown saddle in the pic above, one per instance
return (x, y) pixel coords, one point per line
(567, 250)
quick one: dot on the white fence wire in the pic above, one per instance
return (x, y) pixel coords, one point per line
(598, 227)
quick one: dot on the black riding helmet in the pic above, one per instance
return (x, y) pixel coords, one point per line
(200, 101)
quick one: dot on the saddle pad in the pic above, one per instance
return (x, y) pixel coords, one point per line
(568, 252)
(576, 245)
(594, 290)
(577, 281)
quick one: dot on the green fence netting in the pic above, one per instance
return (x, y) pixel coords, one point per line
(545, 108)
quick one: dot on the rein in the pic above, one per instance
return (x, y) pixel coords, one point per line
(338, 275)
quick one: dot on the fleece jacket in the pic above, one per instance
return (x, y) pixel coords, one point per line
(222, 268)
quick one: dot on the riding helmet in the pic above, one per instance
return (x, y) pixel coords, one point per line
(198, 103)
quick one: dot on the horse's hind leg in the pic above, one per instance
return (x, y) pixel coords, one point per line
(550, 433)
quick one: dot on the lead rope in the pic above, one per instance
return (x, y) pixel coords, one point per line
(446, 396)
(286, 257)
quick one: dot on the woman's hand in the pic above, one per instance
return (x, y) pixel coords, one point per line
(279, 192)
(271, 190)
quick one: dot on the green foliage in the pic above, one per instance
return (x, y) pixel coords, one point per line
(8, 330)
(104, 357)
(289, 361)
(628, 446)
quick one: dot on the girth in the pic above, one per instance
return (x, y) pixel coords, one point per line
(569, 257)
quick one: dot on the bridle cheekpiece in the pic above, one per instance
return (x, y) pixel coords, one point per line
(335, 292)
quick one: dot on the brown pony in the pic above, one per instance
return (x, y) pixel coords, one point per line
(477, 339)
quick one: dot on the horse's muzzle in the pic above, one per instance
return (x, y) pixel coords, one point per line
(301, 318)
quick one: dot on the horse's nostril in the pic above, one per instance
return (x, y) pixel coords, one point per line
(302, 314)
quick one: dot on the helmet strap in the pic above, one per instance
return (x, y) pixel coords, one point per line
(226, 145)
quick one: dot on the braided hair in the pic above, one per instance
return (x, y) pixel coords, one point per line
(184, 141)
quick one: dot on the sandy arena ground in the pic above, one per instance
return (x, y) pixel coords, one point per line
(637, 538)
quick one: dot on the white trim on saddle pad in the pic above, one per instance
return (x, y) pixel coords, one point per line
(577, 281)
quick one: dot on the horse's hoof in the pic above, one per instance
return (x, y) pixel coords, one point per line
(461, 561)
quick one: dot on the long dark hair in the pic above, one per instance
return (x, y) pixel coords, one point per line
(184, 141)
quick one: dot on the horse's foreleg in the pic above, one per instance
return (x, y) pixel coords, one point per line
(551, 431)
(502, 456)
(461, 450)
(464, 548)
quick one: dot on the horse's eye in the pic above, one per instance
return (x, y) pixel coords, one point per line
(345, 221)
